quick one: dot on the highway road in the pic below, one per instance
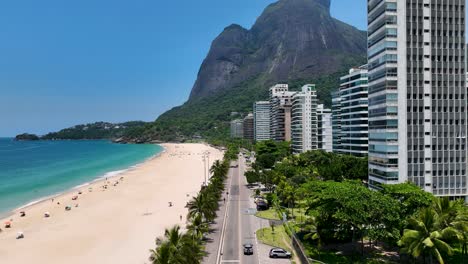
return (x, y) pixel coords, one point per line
(240, 222)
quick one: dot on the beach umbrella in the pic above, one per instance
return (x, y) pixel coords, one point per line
(19, 235)
(46, 214)
(7, 224)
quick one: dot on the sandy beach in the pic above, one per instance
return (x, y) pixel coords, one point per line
(114, 225)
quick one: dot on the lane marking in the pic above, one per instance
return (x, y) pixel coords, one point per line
(231, 261)
(239, 214)
(221, 244)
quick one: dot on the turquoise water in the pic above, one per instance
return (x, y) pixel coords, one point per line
(30, 170)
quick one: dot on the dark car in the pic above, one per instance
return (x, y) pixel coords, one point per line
(248, 249)
(262, 205)
(279, 253)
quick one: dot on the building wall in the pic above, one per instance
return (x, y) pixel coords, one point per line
(248, 127)
(262, 120)
(336, 121)
(280, 112)
(304, 120)
(417, 94)
(354, 130)
(324, 129)
(237, 130)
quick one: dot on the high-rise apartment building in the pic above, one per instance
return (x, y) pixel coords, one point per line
(353, 106)
(324, 129)
(280, 112)
(304, 125)
(248, 127)
(417, 94)
(237, 128)
(261, 120)
(336, 121)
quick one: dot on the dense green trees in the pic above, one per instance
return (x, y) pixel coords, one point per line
(342, 209)
(176, 248)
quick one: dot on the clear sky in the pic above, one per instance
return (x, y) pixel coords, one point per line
(67, 62)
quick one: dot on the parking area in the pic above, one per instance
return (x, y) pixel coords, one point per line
(263, 258)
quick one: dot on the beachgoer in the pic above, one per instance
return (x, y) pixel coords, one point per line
(224, 199)
(58, 203)
(180, 217)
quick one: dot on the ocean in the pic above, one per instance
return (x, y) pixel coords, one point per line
(31, 170)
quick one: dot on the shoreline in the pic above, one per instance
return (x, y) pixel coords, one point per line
(12, 212)
(116, 221)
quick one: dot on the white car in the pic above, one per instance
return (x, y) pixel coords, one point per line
(279, 253)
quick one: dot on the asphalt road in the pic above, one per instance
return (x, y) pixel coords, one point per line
(240, 221)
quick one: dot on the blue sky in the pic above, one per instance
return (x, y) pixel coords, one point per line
(65, 62)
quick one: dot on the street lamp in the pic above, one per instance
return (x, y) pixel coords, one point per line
(204, 169)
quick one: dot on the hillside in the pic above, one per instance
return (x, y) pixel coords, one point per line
(98, 130)
(293, 41)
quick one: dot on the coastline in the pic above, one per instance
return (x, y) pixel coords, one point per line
(117, 224)
(98, 179)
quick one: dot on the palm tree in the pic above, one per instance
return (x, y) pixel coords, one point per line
(218, 169)
(446, 211)
(203, 204)
(424, 236)
(461, 225)
(197, 227)
(176, 248)
(161, 255)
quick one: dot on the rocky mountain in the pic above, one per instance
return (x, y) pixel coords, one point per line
(293, 41)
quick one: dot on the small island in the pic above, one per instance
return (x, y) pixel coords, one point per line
(26, 137)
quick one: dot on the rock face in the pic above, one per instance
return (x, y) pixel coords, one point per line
(292, 39)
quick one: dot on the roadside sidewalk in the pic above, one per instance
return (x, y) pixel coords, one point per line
(214, 236)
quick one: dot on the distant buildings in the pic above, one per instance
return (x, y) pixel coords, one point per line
(237, 128)
(336, 120)
(324, 128)
(418, 95)
(304, 125)
(248, 127)
(261, 116)
(280, 112)
(351, 106)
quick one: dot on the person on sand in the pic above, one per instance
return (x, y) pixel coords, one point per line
(170, 204)
(180, 217)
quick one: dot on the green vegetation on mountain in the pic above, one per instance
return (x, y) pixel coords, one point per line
(293, 41)
(98, 130)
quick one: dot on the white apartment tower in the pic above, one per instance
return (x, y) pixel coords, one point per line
(417, 94)
(353, 106)
(261, 120)
(237, 128)
(336, 120)
(280, 112)
(324, 129)
(304, 123)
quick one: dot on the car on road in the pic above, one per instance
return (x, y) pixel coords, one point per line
(279, 253)
(234, 166)
(248, 249)
(262, 205)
